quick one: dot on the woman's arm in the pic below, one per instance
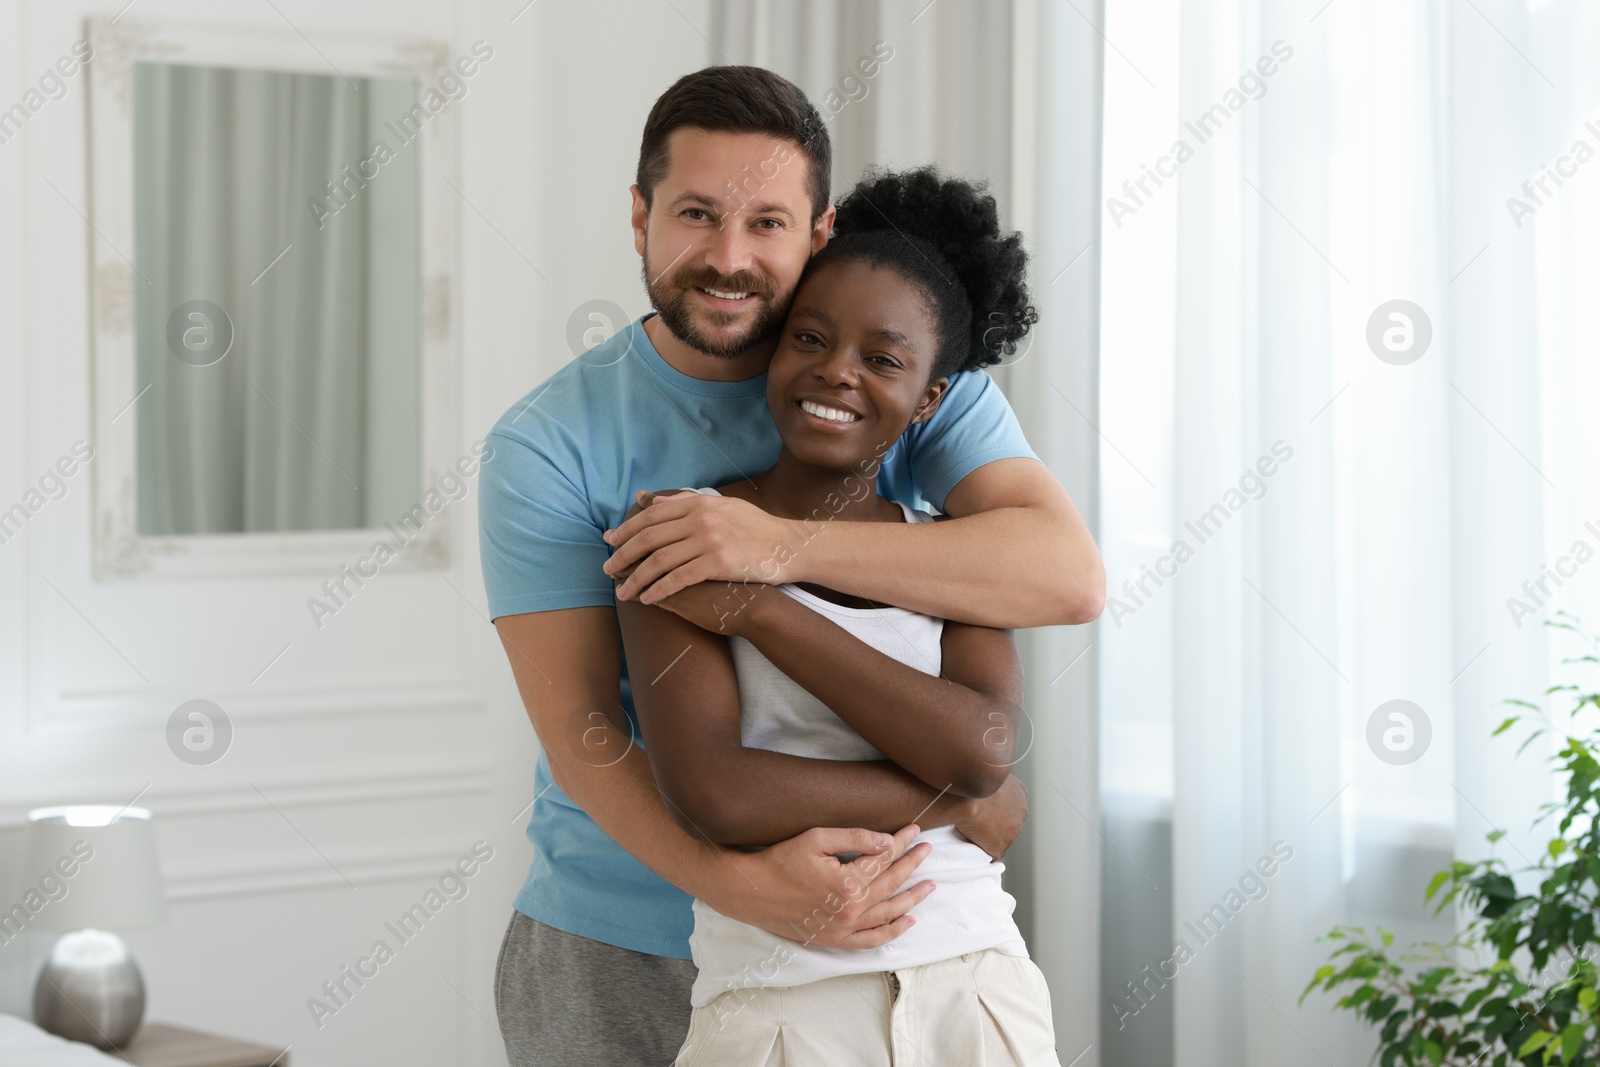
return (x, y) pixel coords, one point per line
(955, 730)
(686, 695)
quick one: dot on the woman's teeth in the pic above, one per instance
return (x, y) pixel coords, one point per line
(832, 414)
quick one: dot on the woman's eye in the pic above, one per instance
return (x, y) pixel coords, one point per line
(884, 361)
(806, 337)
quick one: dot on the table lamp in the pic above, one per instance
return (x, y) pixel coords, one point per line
(102, 859)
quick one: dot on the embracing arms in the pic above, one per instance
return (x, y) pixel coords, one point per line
(955, 730)
(567, 667)
(955, 733)
(687, 698)
(1015, 554)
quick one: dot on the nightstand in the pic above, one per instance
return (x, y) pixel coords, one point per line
(163, 1045)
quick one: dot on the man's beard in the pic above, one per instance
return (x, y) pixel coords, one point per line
(670, 297)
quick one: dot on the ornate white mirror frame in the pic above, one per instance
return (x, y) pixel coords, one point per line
(119, 550)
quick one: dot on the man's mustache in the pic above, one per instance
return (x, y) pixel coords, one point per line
(729, 283)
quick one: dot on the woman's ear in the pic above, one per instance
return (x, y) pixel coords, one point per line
(930, 401)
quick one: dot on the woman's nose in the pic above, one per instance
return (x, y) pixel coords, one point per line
(838, 367)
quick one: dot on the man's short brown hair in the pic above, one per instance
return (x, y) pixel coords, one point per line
(731, 99)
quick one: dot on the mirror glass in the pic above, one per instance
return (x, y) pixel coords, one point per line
(276, 303)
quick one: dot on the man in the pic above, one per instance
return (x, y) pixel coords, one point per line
(730, 202)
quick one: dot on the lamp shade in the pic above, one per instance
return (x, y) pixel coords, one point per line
(93, 866)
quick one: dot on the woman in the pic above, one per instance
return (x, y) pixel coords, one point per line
(920, 286)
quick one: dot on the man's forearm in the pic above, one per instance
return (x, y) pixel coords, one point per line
(778, 890)
(1006, 568)
(1015, 554)
(623, 801)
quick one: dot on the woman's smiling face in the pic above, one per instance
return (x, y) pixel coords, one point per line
(851, 368)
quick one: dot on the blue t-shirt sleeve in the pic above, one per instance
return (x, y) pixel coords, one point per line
(974, 425)
(541, 548)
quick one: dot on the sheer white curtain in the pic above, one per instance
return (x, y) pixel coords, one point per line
(937, 92)
(1374, 562)
(1009, 93)
(311, 419)
(1351, 526)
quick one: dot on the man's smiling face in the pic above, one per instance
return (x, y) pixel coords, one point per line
(726, 236)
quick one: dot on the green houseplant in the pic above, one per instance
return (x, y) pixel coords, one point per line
(1536, 1003)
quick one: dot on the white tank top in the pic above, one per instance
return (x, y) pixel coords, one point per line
(968, 912)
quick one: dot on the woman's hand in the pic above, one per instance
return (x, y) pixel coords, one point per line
(721, 607)
(681, 538)
(995, 822)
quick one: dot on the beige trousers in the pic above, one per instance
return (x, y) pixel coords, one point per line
(983, 1009)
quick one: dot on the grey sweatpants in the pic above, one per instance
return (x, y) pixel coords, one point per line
(568, 1001)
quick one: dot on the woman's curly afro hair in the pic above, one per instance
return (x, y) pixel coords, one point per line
(943, 235)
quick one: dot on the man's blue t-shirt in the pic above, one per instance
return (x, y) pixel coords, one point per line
(562, 466)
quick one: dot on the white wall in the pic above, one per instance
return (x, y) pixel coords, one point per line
(391, 739)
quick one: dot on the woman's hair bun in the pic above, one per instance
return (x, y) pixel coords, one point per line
(943, 234)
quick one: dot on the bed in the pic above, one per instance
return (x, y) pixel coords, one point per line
(23, 1044)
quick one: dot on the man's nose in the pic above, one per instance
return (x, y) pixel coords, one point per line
(730, 250)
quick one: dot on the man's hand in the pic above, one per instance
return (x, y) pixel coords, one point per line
(679, 539)
(716, 606)
(799, 889)
(996, 820)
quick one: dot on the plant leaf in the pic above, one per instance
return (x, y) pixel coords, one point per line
(1433, 886)
(1538, 1041)
(1571, 1041)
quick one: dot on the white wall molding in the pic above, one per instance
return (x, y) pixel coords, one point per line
(321, 702)
(374, 734)
(262, 879)
(398, 783)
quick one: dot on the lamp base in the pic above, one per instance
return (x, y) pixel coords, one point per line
(90, 990)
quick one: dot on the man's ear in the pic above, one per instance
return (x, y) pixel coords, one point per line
(822, 228)
(641, 218)
(931, 400)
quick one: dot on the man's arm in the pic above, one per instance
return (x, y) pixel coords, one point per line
(1015, 552)
(567, 664)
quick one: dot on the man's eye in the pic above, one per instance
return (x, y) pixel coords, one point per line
(769, 224)
(695, 214)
